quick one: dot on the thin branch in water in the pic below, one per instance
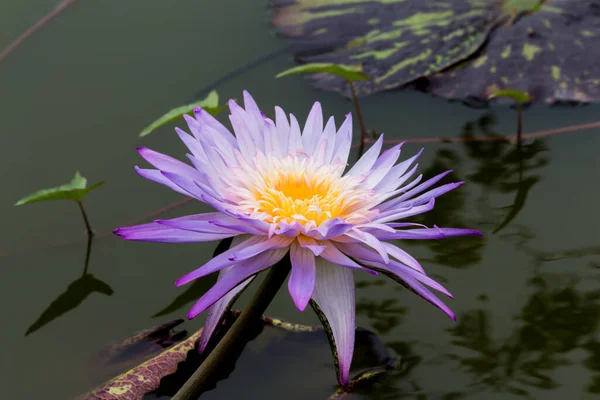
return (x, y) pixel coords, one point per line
(363, 130)
(519, 124)
(46, 18)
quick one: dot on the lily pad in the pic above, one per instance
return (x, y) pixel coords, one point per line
(74, 190)
(209, 104)
(465, 49)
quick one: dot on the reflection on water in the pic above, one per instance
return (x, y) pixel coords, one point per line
(556, 319)
(502, 167)
(74, 296)
(559, 316)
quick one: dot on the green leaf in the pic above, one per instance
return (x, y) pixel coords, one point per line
(209, 104)
(348, 72)
(517, 96)
(74, 190)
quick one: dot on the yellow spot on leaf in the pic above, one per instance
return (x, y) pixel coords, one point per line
(119, 390)
(506, 52)
(530, 50)
(556, 72)
(405, 63)
(479, 62)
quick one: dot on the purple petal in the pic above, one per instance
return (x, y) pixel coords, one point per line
(282, 126)
(295, 143)
(403, 256)
(311, 244)
(333, 255)
(437, 192)
(370, 241)
(154, 232)
(326, 143)
(156, 176)
(330, 229)
(313, 128)
(403, 273)
(382, 166)
(392, 180)
(343, 141)
(366, 162)
(189, 185)
(429, 233)
(409, 211)
(423, 186)
(216, 311)
(192, 144)
(239, 273)
(197, 223)
(243, 131)
(248, 249)
(205, 119)
(334, 295)
(166, 163)
(413, 285)
(302, 278)
(253, 227)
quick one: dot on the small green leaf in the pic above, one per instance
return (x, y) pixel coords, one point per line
(209, 104)
(517, 96)
(349, 72)
(74, 190)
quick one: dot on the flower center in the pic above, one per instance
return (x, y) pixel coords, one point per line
(296, 188)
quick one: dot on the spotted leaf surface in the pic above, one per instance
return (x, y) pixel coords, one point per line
(467, 49)
(547, 53)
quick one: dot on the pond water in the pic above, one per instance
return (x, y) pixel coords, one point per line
(77, 93)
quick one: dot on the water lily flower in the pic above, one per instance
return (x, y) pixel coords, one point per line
(280, 189)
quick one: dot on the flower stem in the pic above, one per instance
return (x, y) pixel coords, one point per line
(236, 336)
(519, 124)
(88, 252)
(90, 232)
(363, 130)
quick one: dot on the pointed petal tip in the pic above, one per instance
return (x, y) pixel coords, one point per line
(300, 303)
(192, 314)
(181, 281)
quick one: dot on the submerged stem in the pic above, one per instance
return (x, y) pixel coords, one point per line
(363, 130)
(235, 336)
(519, 124)
(90, 232)
(88, 252)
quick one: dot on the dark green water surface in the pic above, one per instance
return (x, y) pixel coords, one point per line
(76, 95)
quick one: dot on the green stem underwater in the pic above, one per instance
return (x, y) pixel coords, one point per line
(235, 336)
(90, 232)
(363, 130)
